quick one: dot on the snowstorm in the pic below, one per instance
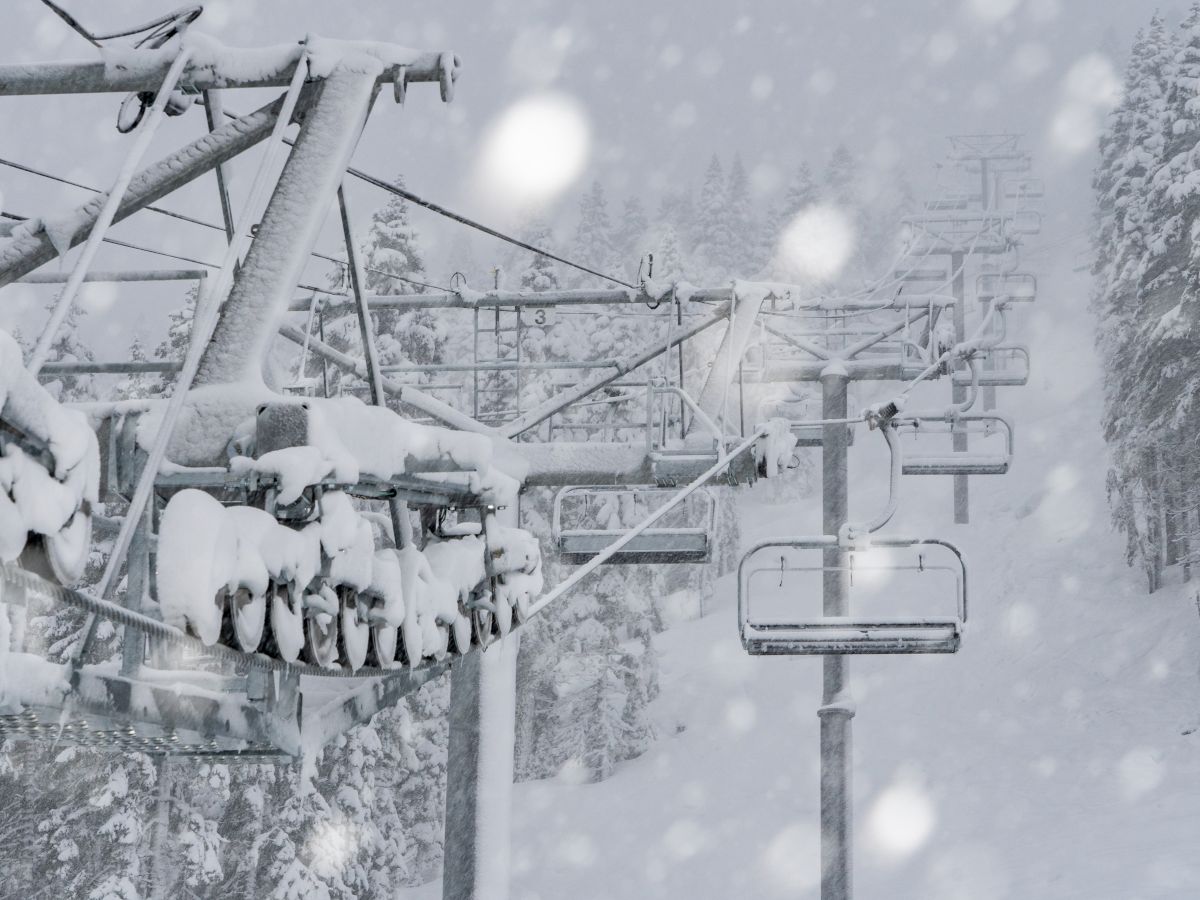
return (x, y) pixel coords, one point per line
(522, 450)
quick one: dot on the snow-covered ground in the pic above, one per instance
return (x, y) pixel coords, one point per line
(1054, 756)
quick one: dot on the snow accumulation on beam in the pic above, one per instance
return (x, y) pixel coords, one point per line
(49, 475)
(251, 315)
(214, 65)
(207, 551)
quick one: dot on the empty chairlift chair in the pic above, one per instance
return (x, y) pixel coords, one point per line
(1009, 287)
(588, 519)
(1010, 367)
(778, 577)
(927, 446)
(1024, 189)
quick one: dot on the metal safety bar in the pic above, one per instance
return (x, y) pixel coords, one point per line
(959, 463)
(832, 635)
(1011, 367)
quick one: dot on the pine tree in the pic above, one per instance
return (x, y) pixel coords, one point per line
(136, 386)
(841, 179)
(669, 263)
(593, 244)
(712, 247)
(801, 192)
(174, 346)
(745, 256)
(842, 190)
(629, 233)
(1144, 294)
(69, 347)
(392, 247)
(541, 272)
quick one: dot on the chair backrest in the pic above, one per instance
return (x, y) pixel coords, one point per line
(865, 631)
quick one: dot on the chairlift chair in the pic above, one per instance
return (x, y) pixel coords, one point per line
(928, 274)
(810, 435)
(690, 543)
(996, 430)
(855, 634)
(1024, 188)
(1024, 222)
(951, 201)
(1011, 367)
(1009, 287)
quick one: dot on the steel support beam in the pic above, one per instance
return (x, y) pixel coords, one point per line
(837, 707)
(225, 67)
(742, 317)
(125, 275)
(290, 225)
(534, 299)
(958, 392)
(479, 768)
(29, 246)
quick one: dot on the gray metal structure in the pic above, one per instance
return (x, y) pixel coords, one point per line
(249, 703)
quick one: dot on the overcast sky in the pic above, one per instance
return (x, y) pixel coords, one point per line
(656, 88)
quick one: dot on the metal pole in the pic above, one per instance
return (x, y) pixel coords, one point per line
(989, 393)
(836, 705)
(479, 768)
(475, 375)
(213, 112)
(959, 392)
(397, 508)
(290, 225)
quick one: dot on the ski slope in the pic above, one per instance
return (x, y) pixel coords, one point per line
(1055, 756)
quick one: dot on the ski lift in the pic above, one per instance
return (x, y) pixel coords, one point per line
(1010, 367)
(1024, 221)
(930, 274)
(951, 201)
(1024, 188)
(772, 575)
(994, 430)
(592, 511)
(810, 435)
(1007, 287)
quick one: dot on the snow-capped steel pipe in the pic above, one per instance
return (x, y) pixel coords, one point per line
(222, 67)
(117, 277)
(290, 225)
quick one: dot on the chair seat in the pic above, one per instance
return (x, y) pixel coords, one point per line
(956, 464)
(654, 545)
(850, 636)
